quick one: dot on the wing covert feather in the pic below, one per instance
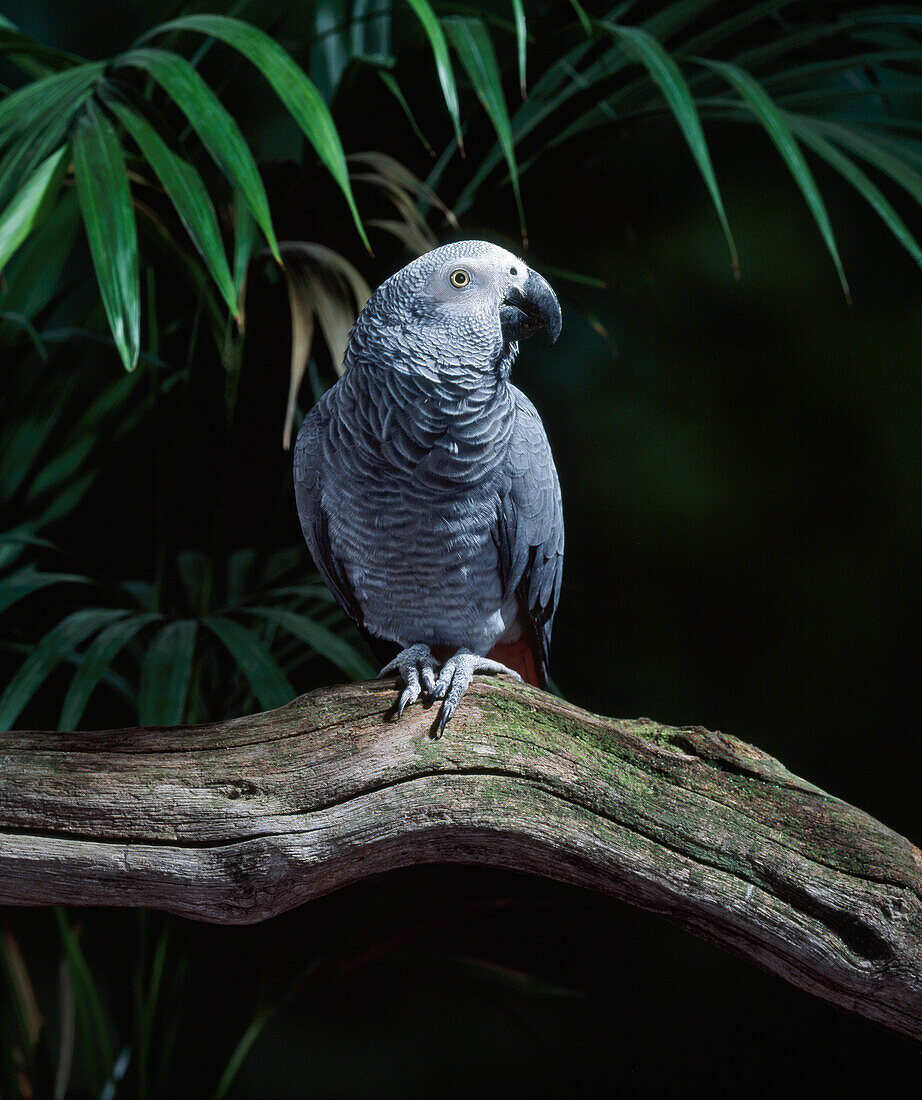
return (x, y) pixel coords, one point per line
(530, 532)
(308, 474)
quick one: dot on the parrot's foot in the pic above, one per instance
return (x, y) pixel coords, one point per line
(455, 678)
(414, 664)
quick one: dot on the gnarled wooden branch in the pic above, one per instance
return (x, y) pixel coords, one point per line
(241, 820)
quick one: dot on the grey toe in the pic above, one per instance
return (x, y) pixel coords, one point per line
(416, 667)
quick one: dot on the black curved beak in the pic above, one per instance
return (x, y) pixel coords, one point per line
(525, 311)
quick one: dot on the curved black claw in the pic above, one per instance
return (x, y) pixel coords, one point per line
(455, 678)
(416, 667)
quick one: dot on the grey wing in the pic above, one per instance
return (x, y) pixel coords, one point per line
(308, 477)
(530, 524)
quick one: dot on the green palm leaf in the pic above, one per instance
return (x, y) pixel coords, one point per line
(13, 543)
(216, 130)
(321, 640)
(94, 664)
(667, 76)
(33, 56)
(554, 87)
(521, 42)
(806, 130)
(394, 88)
(166, 673)
(747, 16)
(58, 644)
(301, 98)
(245, 234)
(888, 156)
(188, 194)
(772, 119)
(21, 111)
(33, 275)
(42, 125)
(105, 200)
(30, 203)
(584, 20)
(94, 1024)
(474, 46)
(269, 683)
(28, 580)
(563, 79)
(439, 47)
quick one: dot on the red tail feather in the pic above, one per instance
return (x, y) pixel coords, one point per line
(520, 656)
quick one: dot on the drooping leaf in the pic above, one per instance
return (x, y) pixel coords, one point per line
(390, 174)
(668, 77)
(331, 57)
(325, 286)
(188, 194)
(61, 466)
(301, 98)
(302, 337)
(24, 445)
(94, 663)
(794, 41)
(807, 74)
(147, 988)
(97, 1036)
(13, 543)
(33, 275)
(193, 568)
(245, 234)
(747, 16)
(216, 130)
(864, 186)
(417, 242)
(393, 87)
(474, 46)
(552, 90)
(18, 321)
(36, 143)
(66, 500)
(105, 200)
(54, 647)
(880, 152)
(772, 119)
(242, 1049)
(521, 43)
(418, 235)
(25, 109)
(32, 55)
(269, 683)
(31, 203)
(28, 580)
(321, 640)
(166, 673)
(585, 21)
(337, 264)
(439, 47)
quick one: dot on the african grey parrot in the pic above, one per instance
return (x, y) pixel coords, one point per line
(424, 480)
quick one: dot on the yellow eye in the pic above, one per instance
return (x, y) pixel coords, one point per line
(459, 278)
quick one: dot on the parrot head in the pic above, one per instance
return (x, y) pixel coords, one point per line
(470, 300)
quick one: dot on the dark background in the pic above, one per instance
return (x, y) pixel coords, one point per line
(740, 471)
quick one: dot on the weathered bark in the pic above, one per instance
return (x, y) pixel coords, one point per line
(238, 821)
